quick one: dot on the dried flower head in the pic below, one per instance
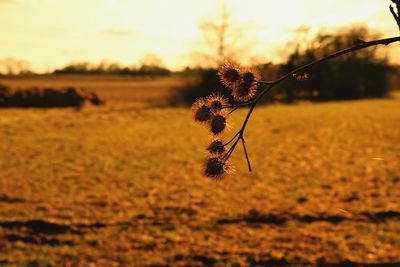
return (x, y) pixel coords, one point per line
(215, 167)
(251, 75)
(201, 111)
(216, 147)
(216, 103)
(218, 124)
(229, 75)
(248, 85)
(244, 92)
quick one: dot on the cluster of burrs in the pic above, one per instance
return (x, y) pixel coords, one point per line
(213, 111)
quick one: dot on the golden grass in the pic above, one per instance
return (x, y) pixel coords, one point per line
(123, 186)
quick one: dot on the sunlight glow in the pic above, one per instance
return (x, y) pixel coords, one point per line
(51, 33)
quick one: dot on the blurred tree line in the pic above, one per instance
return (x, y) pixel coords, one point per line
(356, 75)
(149, 65)
(12, 66)
(364, 74)
(87, 68)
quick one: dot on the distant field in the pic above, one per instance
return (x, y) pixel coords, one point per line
(115, 89)
(114, 186)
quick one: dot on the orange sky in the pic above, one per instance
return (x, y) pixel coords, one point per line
(52, 33)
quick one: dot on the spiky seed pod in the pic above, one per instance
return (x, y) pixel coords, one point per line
(247, 88)
(215, 168)
(244, 92)
(248, 78)
(218, 124)
(216, 103)
(216, 147)
(229, 75)
(251, 75)
(201, 111)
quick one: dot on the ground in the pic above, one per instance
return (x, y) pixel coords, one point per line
(122, 185)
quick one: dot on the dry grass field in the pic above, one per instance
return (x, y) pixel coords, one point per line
(121, 185)
(125, 90)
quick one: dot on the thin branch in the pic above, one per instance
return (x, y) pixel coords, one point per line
(245, 153)
(238, 105)
(358, 46)
(354, 48)
(233, 110)
(265, 82)
(230, 151)
(233, 138)
(396, 16)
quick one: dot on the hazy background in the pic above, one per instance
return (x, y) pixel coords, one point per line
(50, 34)
(102, 164)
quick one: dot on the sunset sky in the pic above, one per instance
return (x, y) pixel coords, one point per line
(52, 33)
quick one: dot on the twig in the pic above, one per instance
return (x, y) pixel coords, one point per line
(233, 110)
(233, 138)
(245, 153)
(396, 16)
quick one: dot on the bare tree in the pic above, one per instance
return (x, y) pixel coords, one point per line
(12, 66)
(223, 38)
(151, 60)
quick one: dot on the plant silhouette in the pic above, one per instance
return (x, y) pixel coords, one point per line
(243, 84)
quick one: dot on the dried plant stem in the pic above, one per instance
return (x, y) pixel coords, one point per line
(239, 136)
(233, 109)
(245, 153)
(396, 16)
